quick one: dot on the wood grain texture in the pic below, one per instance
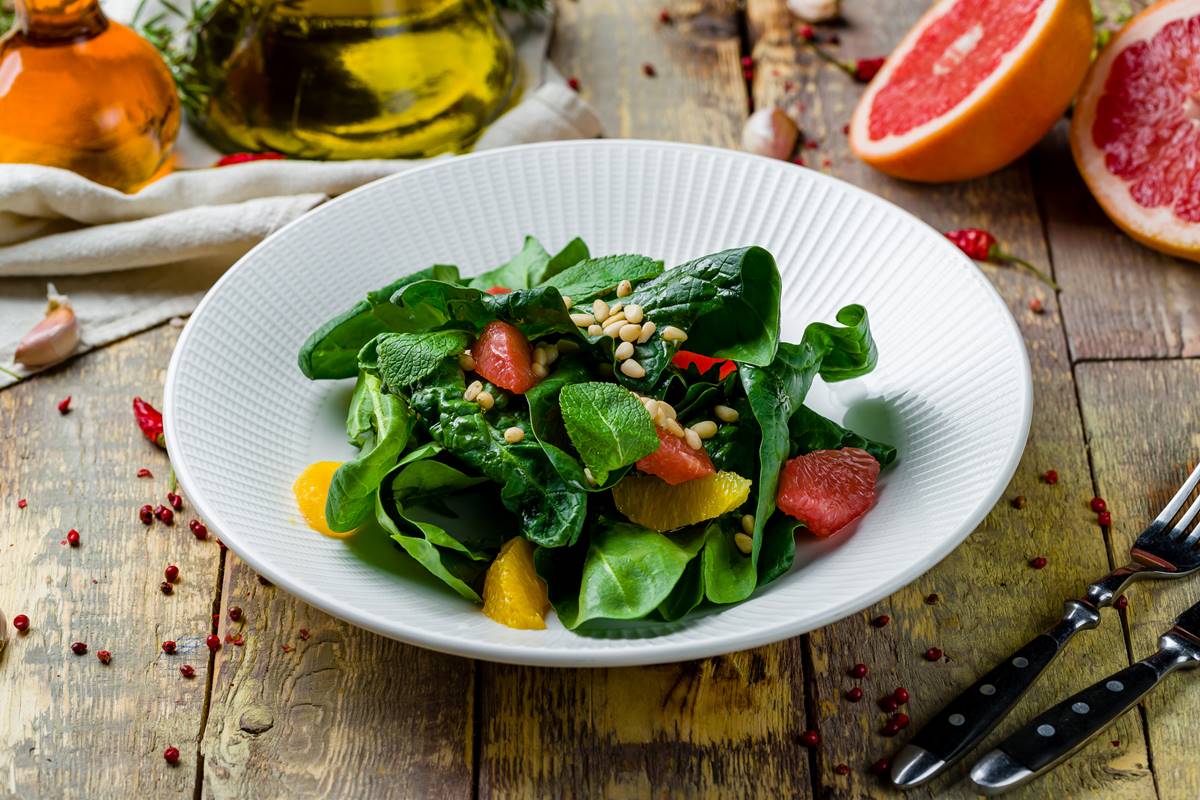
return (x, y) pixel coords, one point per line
(991, 601)
(1143, 425)
(71, 726)
(314, 707)
(697, 729)
(1120, 299)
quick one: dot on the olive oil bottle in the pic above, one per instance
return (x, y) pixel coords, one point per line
(343, 79)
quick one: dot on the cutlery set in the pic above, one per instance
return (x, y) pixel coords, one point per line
(1168, 548)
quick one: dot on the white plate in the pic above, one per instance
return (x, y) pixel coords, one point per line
(952, 389)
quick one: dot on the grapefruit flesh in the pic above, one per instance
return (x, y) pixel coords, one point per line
(1135, 134)
(828, 489)
(675, 461)
(972, 87)
(504, 357)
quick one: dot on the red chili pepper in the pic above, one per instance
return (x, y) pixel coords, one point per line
(243, 158)
(684, 359)
(499, 290)
(982, 246)
(64, 405)
(150, 420)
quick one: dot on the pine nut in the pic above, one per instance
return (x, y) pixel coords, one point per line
(659, 417)
(615, 308)
(466, 362)
(633, 369)
(624, 350)
(583, 320)
(513, 435)
(630, 332)
(611, 331)
(473, 391)
(667, 408)
(692, 438)
(567, 346)
(551, 354)
(647, 331)
(485, 400)
(744, 543)
(725, 413)
(634, 313)
(539, 355)
(539, 371)
(748, 524)
(595, 330)
(599, 308)
(673, 427)
(673, 334)
(705, 429)
(568, 302)
(624, 289)
(615, 318)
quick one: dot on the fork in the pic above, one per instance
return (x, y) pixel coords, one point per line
(1162, 551)
(1053, 736)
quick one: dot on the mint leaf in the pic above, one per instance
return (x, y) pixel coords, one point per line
(595, 277)
(522, 272)
(607, 424)
(405, 358)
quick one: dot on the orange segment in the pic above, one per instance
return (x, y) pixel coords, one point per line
(311, 489)
(513, 594)
(972, 87)
(659, 506)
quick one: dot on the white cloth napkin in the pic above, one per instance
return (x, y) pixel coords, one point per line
(129, 262)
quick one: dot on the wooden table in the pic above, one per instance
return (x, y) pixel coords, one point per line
(311, 707)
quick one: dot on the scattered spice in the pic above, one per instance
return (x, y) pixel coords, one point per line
(22, 503)
(145, 473)
(166, 588)
(164, 514)
(150, 420)
(73, 537)
(1038, 562)
(810, 738)
(244, 158)
(78, 648)
(21, 623)
(198, 529)
(846, 129)
(881, 766)
(573, 82)
(175, 500)
(1121, 603)
(1019, 501)
(104, 655)
(1098, 504)
(171, 573)
(1036, 306)
(287, 648)
(235, 613)
(888, 704)
(890, 728)
(238, 640)
(64, 405)
(168, 647)
(881, 621)
(806, 33)
(304, 634)
(146, 514)
(1115, 742)
(171, 755)
(983, 246)
(187, 670)
(854, 695)
(842, 769)
(932, 599)
(1050, 477)
(1105, 519)
(933, 654)
(858, 671)
(213, 641)
(648, 70)
(664, 17)
(901, 695)
(867, 68)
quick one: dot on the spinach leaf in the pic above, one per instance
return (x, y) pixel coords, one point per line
(597, 277)
(572, 253)
(734, 448)
(353, 487)
(430, 305)
(358, 416)
(537, 312)
(687, 594)
(627, 573)
(332, 350)
(729, 575)
(776, 391)
(607, 424)
(523, 271)
(552, 512)
(404, 358)
(778, 549)
(810, 431)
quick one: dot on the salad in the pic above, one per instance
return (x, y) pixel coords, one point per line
(598, 434)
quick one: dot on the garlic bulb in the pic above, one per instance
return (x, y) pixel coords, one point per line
(52, 339)
(815, 10)
(770, 132)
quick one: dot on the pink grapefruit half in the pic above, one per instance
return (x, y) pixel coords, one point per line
(1136, 129)
(972, 87)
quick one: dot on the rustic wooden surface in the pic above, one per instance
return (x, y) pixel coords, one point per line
(311, 707)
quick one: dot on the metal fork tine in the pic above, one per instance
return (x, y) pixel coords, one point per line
(1177, 501)
(1187, 517)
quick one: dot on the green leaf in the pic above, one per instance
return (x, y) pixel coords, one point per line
(597, 277)
(575, 251)
(354, 484)
(627, 573)
(729, 575)
(607, 424)
(810, 431)
(778, 549)
(424, 479)
(405, 358)
(524, 271)
(537, 312)
(687, 594)
(358, 416)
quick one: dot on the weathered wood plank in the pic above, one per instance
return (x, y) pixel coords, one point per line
(991, 601)
(1120, 299)
(69, 725)
(724, 727)
(314, 707)
(1143, 426)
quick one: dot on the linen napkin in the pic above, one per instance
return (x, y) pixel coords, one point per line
(129, 262)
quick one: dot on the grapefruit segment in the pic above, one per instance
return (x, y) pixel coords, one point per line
(828, 489)
(972, 87)
(675, 461)
(1136, 128)
(504, 357)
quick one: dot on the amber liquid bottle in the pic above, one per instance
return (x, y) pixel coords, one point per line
(81, 92)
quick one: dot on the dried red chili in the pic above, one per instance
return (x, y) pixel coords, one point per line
(150, 420)
(982, 246)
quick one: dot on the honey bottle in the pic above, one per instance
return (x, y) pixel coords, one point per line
(84, 93)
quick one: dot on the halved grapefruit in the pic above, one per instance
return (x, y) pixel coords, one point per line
(972, 87)
(1136, 129)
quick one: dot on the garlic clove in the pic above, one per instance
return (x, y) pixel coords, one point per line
(770, 132)
(52, 339)
(815, 10)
